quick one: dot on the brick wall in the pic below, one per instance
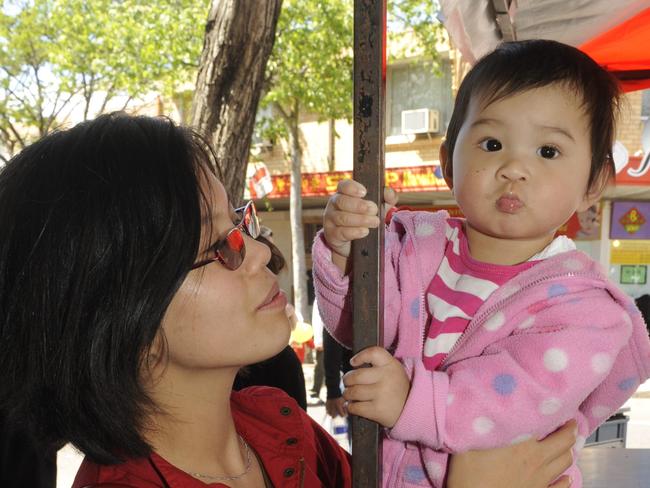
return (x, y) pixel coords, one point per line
(630, 125)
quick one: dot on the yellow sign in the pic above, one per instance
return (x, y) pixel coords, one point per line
(630, 252)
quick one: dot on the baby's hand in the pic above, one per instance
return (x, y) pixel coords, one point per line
(379, 392)
(348, 216)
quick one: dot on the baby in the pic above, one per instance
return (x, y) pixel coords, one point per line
(497, 330)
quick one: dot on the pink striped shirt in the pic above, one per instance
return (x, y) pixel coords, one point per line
(458, 289)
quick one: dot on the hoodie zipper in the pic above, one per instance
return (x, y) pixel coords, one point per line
(481, 319)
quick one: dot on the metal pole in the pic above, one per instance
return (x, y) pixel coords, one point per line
(367, 254)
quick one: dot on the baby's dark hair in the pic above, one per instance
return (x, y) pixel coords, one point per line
(515, 67)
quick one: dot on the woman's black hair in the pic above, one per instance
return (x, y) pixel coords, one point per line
(514, 67)
(100, 225)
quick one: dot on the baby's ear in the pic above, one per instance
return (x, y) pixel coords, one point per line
(595, 190)
(446, 165)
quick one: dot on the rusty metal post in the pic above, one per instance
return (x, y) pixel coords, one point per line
(367, 254)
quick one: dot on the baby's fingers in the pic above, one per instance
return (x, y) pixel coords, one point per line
(390, 197)
(352, 188)
(360, 393)
(355, 205)
(338, 235)
(347, 219)
(362, 376)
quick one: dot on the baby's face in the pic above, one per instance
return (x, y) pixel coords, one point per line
(521, 164)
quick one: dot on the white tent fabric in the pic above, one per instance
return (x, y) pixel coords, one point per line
(474, 30)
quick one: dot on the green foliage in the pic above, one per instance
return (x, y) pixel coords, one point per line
(418, 17)
(58, 54)
(310, 70)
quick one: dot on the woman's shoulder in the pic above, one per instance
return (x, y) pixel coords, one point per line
(130, 474)
(260, 392)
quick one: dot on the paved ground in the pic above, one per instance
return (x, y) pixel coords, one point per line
(638, 429)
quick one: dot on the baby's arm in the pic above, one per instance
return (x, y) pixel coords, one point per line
(347, 217)
(523, 385)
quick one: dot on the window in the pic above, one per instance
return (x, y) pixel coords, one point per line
(412, 86)
(645, 104)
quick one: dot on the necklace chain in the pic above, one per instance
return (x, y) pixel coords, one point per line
(235, 477)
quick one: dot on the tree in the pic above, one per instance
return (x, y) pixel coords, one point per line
(66, 60)
(419, 18)
(310, 72)
(239, 38)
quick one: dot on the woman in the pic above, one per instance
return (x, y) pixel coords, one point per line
(131, 293)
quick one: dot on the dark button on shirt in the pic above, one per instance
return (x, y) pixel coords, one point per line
(285, 411)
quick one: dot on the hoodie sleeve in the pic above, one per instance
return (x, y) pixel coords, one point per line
(334, 292)
(527, 383)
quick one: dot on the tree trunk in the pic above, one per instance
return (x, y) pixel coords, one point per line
(299, 267)
(239, 37)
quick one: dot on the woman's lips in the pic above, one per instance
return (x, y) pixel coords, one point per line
(509, 203)
(275, 298)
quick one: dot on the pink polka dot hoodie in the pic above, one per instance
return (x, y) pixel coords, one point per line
(558, 341)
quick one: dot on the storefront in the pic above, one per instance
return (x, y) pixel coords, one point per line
(615, 232)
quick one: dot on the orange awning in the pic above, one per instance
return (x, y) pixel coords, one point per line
(625, 51)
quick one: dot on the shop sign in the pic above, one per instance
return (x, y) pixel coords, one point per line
(634, 172)
(630, 252)
(630, 220)
(633, 274)
(412, 179)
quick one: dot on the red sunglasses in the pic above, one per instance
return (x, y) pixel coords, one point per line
(231, 250)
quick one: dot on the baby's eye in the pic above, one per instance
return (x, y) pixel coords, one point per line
(548, 152)
(491, 145)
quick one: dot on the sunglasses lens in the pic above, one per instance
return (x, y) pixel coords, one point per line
(233, 250)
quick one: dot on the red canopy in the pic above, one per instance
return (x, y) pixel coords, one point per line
(625, 51)
(615, 33)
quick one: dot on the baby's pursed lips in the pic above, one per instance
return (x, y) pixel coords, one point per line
(509, 203)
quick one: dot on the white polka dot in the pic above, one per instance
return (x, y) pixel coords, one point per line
(435, 470)
(521, 438)
(555, 360)
(495, 322)
(580, 442)
(627, 320)
(527, 323)
(573, 265)
(450, 398)
(601, 362)
(600, 411)
(482, 425)
(550, 406)
(423, 230)
(509, 290)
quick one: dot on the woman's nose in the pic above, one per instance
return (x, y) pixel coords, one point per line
(258, 254)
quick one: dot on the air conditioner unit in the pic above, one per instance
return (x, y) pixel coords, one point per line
(420, 121)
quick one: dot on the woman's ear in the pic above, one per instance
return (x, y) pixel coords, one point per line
(446, 165)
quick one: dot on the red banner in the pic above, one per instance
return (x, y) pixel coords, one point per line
(414, 178)
(420, 178)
